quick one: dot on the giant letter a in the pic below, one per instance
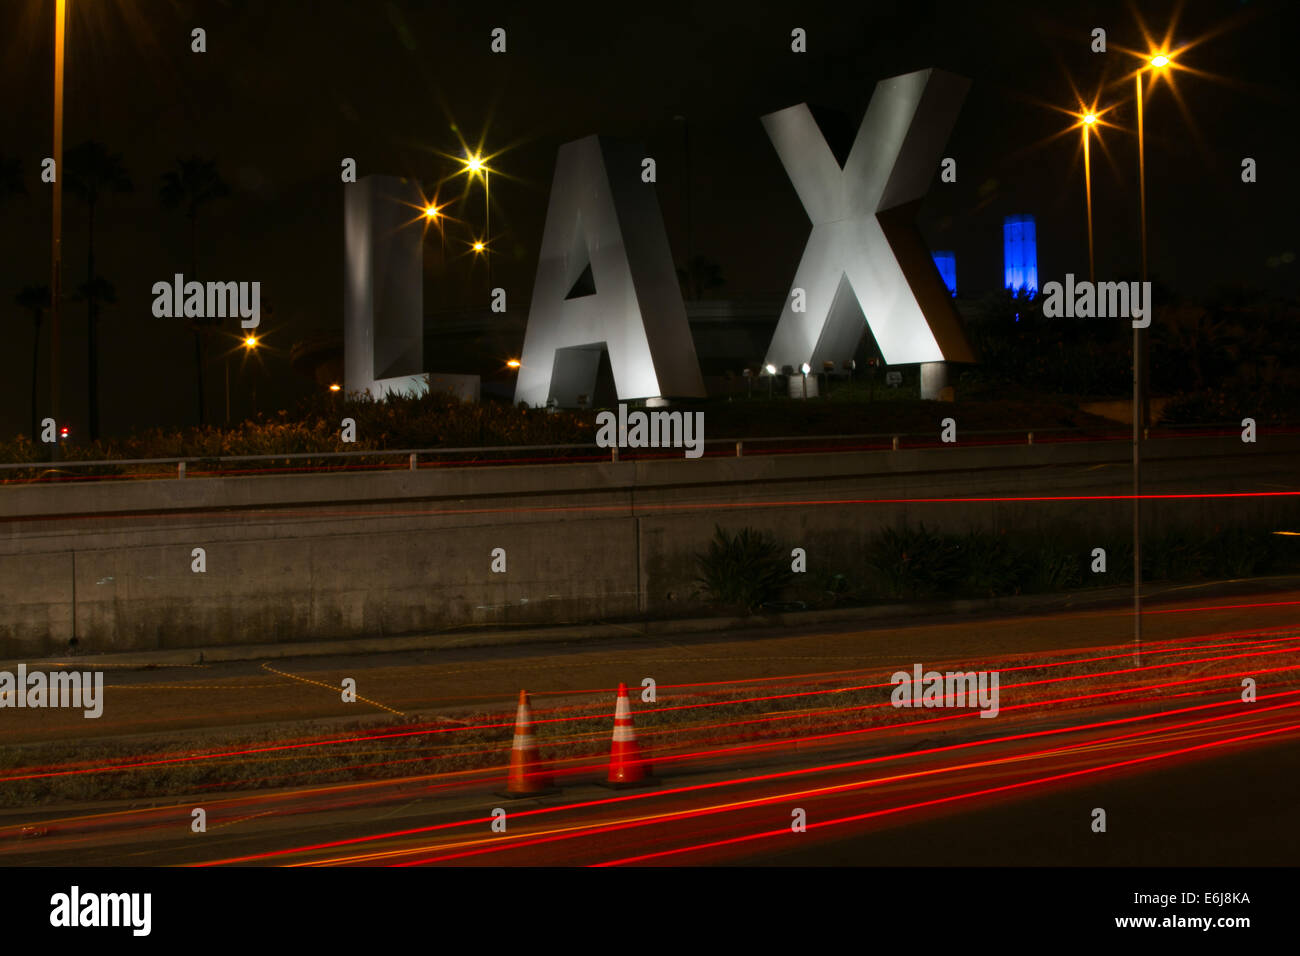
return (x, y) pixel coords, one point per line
(605, 281)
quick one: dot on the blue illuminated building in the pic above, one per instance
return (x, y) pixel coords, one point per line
(1020, 253)
(947, 263)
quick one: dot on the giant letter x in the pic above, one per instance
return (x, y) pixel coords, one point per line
(865, 257)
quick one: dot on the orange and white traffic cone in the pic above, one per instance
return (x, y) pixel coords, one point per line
(527, 777)
(626, 768)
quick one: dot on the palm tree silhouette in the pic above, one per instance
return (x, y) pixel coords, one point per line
(91, 172)
(193, 184)
(35, 299)
(96, 292)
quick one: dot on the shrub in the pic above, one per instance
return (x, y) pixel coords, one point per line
(915, 562)
(747, 570)
(1057, 561)
(1176, 555)
(429, 421)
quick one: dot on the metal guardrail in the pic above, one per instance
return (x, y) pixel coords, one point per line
(414, 455)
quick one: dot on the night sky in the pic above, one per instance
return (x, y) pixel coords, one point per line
(287, 89)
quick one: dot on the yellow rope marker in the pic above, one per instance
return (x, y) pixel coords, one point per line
(306, 680)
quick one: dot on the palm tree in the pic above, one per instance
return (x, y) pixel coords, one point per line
(96, 292)
(35, 299)
(91, 172)
(193, 184)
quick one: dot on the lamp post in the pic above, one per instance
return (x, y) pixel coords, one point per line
(1089, 120)
(432, 214)
(250, 343)
(474, 164)
(1157, 62)
(56, 244)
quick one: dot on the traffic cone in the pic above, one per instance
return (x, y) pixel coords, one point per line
(527, 777)
(626, 768)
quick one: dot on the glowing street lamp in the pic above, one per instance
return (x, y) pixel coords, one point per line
(475, 165)
(431, 212)
(249, 342)
(512, 363)
(336, 387)
(1161, 58)
(1156, 63)
(56, 244)
(1089, 120)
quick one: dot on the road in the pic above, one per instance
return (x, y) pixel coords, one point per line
(748, 738)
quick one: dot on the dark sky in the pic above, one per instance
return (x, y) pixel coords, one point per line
(289, 88)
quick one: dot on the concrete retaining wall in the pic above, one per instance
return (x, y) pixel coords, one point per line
(108, 564)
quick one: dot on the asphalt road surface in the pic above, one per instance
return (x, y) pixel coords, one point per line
(783, 748)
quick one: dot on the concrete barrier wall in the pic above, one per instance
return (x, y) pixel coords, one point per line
(328, 556)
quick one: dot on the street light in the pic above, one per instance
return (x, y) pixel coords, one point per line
(56, 232)
(474, 165)
(250, 343)
(1089, 120)
(512, 363)
(432, 214)
(1157, 62)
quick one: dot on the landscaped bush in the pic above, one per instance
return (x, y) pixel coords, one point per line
(1056, 561)
(745, 570)
(430, 421)
(1176, 555)
(1018, 347)
(1231, 403)
(915, 562)
(1240, 553)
